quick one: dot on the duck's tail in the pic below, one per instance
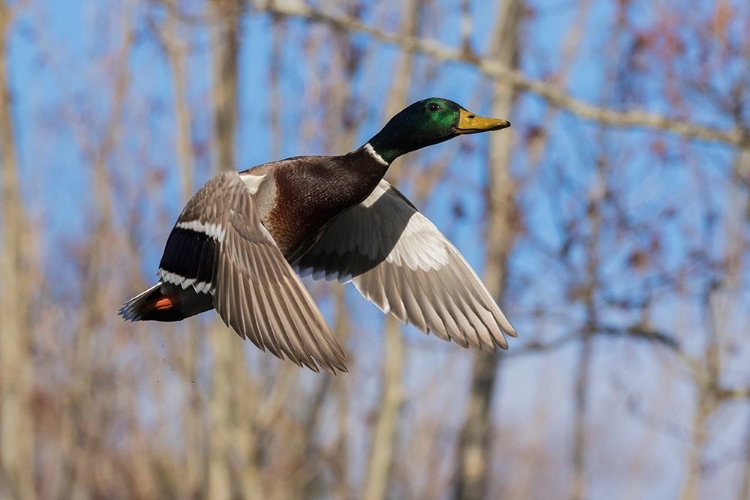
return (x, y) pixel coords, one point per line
(152, 305)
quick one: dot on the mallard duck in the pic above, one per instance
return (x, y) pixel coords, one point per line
(240, 239)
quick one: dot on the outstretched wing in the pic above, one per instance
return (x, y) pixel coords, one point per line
(399, 260)
(219, 246)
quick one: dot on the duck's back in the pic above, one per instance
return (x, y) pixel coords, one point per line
(298, 197)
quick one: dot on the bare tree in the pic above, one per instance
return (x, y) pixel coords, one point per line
(384, 434)
(474, 458)
(232, 469)
(16, 361)
(227, 46)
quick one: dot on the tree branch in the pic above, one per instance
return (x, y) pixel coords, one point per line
(555, 95)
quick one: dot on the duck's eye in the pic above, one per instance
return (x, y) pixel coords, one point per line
(433, 106)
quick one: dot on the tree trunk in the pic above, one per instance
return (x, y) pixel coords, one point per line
(232, 468)
(474, 445)
(176, 52)
(16, 363)
(227, 47)
(384, 434)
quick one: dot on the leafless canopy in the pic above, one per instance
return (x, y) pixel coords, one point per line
(611, 222)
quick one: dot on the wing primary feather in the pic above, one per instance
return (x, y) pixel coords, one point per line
(252, 305)
(234, 306)
(434, 321)
(326, 353)
(472, 277)
(451, 318)
(379, 294)
(473, 305)
(226, 295)
(413, 310)
(251, 260)
(393, 294)
(281, 333)
(240, 315)
(485, 307)
(295, 331)
(318, 353)
(335, 355)
(370, 285)
(267, 332)
(473, 326)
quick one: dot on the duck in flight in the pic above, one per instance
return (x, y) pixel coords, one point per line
(242, 240)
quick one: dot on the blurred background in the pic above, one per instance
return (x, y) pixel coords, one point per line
(611, 222)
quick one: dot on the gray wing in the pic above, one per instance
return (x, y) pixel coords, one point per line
(255, 291)
(399, 260)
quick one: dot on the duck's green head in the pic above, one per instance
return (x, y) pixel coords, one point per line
(428, 122)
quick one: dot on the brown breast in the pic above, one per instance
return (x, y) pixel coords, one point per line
(312, 191)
